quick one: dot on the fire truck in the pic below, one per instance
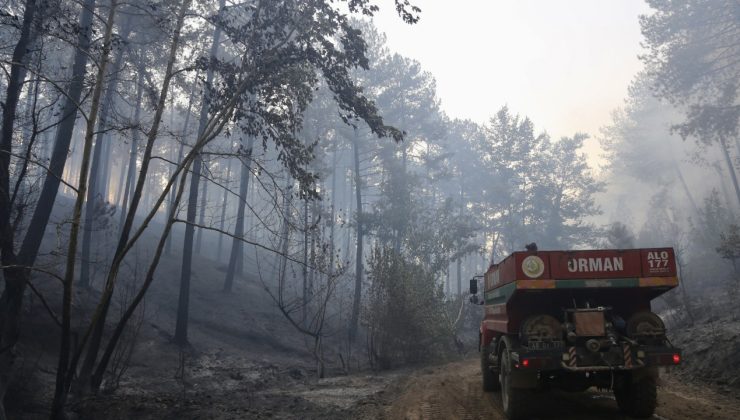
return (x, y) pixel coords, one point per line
(573, 320)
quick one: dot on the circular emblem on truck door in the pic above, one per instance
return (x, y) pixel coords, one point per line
(533, 266)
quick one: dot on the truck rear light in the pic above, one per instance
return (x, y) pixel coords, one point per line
(532, 363)
(676, 358)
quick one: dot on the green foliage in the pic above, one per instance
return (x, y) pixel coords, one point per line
(694, 56)
(564, 194)
(712, 219)
(729, 244)
(663, 225)
(619, 236)
(439, 236)
(638, 130)
(536, 189)
(405, 312)
(286, 51)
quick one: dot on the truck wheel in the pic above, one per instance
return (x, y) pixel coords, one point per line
(514, 400)
(637, 399)
(490, 379)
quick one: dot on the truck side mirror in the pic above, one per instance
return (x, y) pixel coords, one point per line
(473, 286)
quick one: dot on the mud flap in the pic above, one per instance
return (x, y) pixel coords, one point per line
(524, 379)
(637, 375)
(520, 378)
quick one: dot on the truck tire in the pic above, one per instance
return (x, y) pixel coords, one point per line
(490, 378)
(514, 400)
(637, 399)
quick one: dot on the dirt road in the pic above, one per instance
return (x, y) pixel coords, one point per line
(453, 391)
(238, 390)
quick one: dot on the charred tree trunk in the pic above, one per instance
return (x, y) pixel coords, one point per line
(183, 303)
(97, 324)
(168, 243)
(96, 179)
(61, 389)
(13, 91)
(730, 167)
(121, 185)
(686, 189)
(39, 220)
(304, 271)
(360, 233)
(98, 319)
(237, 246)
(202, 215)
(287, 198)
(401, 231)
(723, 184)
(332, 214)
(15, 283)
(224, 203)
(82, 387)
(314, 232)
(459, 276)
(131, 171)
(348, 215)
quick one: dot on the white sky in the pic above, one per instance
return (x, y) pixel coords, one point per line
(566, 64)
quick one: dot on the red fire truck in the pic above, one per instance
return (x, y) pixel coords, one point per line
(576, 319)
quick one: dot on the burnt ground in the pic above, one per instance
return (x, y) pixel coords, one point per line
(451, 391)
(246, 362)
(712, 346)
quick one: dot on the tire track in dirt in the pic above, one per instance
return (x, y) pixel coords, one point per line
(441, 393)
(454, 392)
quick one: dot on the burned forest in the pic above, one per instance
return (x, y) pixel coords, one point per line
(369, 209)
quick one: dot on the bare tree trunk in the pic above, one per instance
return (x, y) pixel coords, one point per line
(82, 387)
(730, 167)
(686, 189)
(60, 391)
(15, 85)
(202, 215)
(304, 270)
(224, 203)
(8, 334)
(401, 232)
(105, 167)
(285, 236)
(183, 303)
(723, 185)
(237, 246)
(358, 258)
(93, 190)
(39, 220)
(312, 257)
(97, 323)
(131, 175)
(123, 243)
(332, 214)
(121, 185)
(348, 215)
(459, 276)
(168, 243)
(97, 377)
